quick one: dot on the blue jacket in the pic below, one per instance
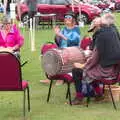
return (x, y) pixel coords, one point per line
(72, 35)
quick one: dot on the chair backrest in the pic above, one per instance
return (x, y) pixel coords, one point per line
(85, 42)
(10, 72)
(47, 46)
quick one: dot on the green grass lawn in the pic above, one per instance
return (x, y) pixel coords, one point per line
(11, 107)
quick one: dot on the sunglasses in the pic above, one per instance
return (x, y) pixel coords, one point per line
(68, 17)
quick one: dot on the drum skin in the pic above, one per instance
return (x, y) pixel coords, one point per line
(58, 61)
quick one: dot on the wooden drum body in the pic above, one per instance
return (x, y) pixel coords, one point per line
(58, 61)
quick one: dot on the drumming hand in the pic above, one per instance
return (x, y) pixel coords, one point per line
(87, 53)
(9, 49)
(79, 65)
(58, 33)
(56, 30)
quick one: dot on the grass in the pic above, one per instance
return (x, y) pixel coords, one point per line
(11, 102)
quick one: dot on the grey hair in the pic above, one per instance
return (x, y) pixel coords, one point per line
(5, 20)
(108, 19)
(96, 23)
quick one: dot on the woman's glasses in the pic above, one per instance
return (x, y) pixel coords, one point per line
(68, 17)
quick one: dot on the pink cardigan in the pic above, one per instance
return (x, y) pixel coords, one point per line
(12, 39)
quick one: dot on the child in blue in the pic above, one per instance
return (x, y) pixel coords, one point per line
(70, 34)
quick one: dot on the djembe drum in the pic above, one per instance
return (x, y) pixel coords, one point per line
(58, 61)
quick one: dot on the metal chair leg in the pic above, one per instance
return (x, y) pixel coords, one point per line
(28, 97)
(88, 100)
(69, 93)
(103, 88)
(51, 81)
(112, 97)
(24, 98)
(88, 96)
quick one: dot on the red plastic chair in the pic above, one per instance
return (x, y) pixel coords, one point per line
(85, 42)
(11, 76)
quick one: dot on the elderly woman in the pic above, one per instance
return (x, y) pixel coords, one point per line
(103, 61)
(70, 34)
(10, 37)
(109, 20)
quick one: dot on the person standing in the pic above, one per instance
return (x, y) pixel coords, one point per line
(6, 4)
(32, 5)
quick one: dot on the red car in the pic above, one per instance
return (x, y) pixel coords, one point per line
(103, 4)
(117, 4)
(60, 7)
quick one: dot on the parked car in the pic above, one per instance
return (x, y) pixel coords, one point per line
(117, 4)
(103, 4)
(60, 7)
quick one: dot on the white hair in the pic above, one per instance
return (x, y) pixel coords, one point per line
(96, 23)
(108, 19)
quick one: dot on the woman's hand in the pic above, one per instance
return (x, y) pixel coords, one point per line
(57, 30)
(16, 47)
(58, 33)
(79, 65)
(10, 49)
(87, 53)
(7, 49)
